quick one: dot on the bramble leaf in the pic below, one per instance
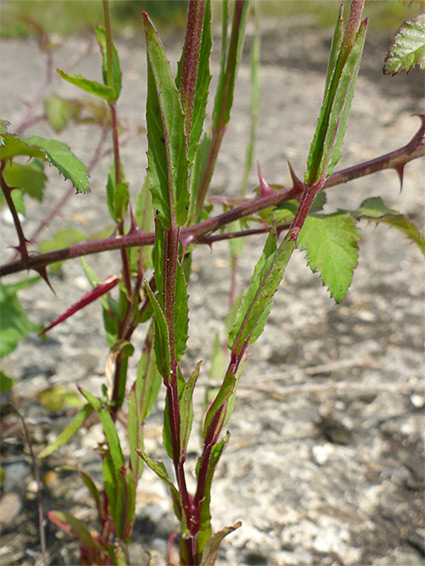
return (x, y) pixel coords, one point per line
(375, 210)
(30, 178)
(331, 244)
(59, 155)
(167, 160)
(407, 49)
(59, 111)
(15, 325)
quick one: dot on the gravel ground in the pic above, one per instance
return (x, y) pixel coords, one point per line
(325, 462)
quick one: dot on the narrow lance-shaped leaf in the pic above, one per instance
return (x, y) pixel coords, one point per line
(161, 343)
(159, 469)
(92, 87)
(167, 160)
(257, 302)
(210, 552)
(124, 503)
(226, 82)
(68, 432)
(186, 408)
(407, 49)
(109, 429)
(255, 96)
(326, 146)
(76, 527)
(203, 80)
(116, 70)
(205, 514)
(331, 244)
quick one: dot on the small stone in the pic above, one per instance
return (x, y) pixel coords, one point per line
(417, 401)
(321, 453)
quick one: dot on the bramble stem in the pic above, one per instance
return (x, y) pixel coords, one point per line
(392, 160)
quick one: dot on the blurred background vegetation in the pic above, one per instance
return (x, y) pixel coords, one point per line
(67, 17)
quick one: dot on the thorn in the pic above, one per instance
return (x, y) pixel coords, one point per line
(264, 186)
(298, 185)
(399, 169)
(85, 300)
(134, 229)
(185, 241)
(43, 273)
(417, 138)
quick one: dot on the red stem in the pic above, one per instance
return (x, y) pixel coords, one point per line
(392, 160)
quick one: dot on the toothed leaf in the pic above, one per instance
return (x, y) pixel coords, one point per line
(167, 160)
(407, 49)
(375, 210)
(331, 244)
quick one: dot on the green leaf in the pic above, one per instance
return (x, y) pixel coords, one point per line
(117, 196)
(331, 244)
(255, 96)
(407, 49)
(229, 64)
(161, 344)
(15, 325)
(54, 398)
(6, 383)
(375, 210)
(4, 124)
(68, 432)
(159, 469)
(148, 381)
(203, 79)
(116, 70)
(92, 87)
(221, 408)
(210, 552)
(63, 238)
(326, 147)
(167, 160)
(186, 408)
(257, 302)
(30, 178)
(142, 398)
(59, 155)
(59, 111)
(143, 217)
(125, 503)
(205, 530)
(181, 313)
(75, 527)
(109, 429)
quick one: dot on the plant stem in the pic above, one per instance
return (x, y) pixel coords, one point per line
(393, 160)
(7, 191)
